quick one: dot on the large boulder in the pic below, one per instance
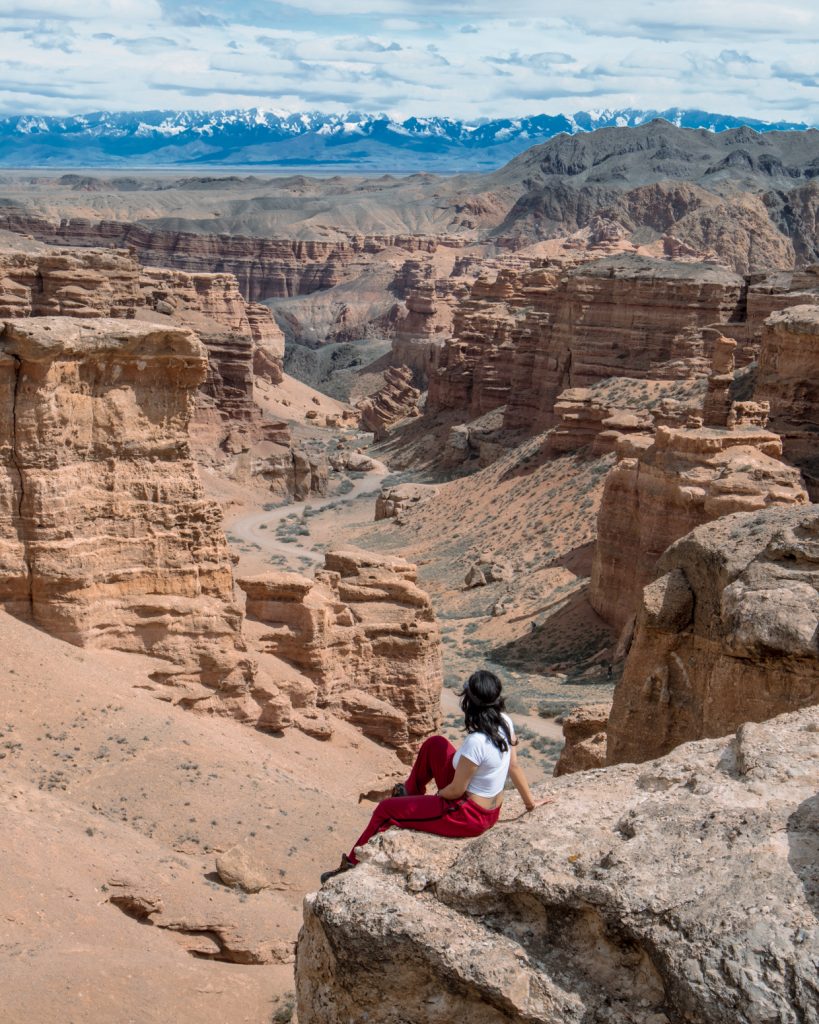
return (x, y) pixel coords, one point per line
(686, 889)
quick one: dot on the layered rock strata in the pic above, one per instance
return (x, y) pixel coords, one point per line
(365, 634)
(107, 539)
(787, 380)
(394, 401)
(771, 293)
(419, 331)
(584, 739)
(562, 916)
(239, 338)
(68, 282)
(725, 634)
(242, 340)
(264, 267)
(585, 420)
(111, 283)
(527, 337)
(661, 488)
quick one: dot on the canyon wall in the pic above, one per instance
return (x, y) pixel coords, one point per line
(726, 634)
(365, 634)
(682, 889)
(264, 267)
(662, 488)
(242, 340)
(531, 335)
(787, 380)
(108, 540)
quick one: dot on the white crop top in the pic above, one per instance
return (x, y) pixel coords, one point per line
(493, 765)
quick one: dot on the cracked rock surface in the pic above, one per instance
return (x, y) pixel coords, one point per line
(684, 889)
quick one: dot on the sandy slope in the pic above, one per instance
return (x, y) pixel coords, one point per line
(102, 783)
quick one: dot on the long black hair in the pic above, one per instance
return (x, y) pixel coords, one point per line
(482, 704)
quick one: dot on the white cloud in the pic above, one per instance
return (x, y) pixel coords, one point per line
(413, 56)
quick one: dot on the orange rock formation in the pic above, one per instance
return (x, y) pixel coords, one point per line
(787, 380)
(107, 538)
(525, 338)
(394, 400)
(726, 634)
(365, 633)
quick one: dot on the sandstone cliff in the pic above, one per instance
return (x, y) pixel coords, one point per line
(683, 889)
(787, 380)
(68, 282)
(662, 488)
(523, 340)
(726, 634)
(395, 400)
(365, 634)
(264, 267)
(107, 539)
(242, 341)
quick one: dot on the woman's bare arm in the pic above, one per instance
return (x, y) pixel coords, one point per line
(460, 784)
(521, 784)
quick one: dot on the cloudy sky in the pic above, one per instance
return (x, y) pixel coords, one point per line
(403, 57)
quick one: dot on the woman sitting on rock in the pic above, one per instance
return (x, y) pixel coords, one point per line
(470, 781)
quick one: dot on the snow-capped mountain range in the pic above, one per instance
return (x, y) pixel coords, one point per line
(276, 139)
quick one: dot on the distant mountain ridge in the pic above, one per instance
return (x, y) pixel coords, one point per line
(365, 142)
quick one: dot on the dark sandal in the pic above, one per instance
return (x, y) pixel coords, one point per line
(399, 789)
(345, 865)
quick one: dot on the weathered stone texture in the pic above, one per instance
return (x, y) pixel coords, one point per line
(788, 379)
(395, 400)
(525, 338)
(69, 282)
(685, 889)
(108, 540)
(584, 734)
(726, 634)
(366, 634)
(661, 489)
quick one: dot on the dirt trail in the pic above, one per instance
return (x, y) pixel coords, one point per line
(259, 528)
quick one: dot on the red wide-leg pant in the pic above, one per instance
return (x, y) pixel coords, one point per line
(458, 819)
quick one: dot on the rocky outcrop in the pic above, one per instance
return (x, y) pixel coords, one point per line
(394, 401)
(525, 338)
(726, 634)
(268, 343)
(285, 468)
(242, 340)
(264, 267)
(584, 739)
(772, 292)
(366, 635)
(682, 889)
(620, 317)
(473, 371)
(393, 502)
(661, 488)
(585, 420)
(419, 331)
(213, 306)
(107, 539)
(787, 379)
(68, 282)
